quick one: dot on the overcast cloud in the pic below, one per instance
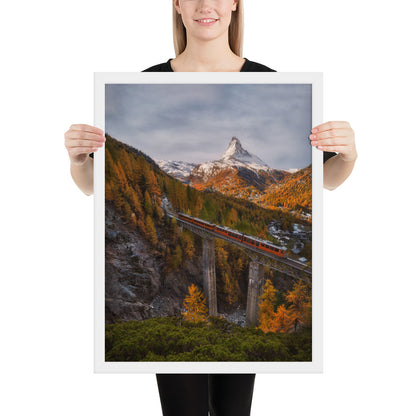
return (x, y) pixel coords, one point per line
(195, 122)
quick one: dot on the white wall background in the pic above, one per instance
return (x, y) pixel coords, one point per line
(49, 52)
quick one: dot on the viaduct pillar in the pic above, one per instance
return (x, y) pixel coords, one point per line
(208, 267)
(255, 283)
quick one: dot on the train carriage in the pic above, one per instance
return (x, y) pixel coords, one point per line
(257, 243)
(197, 221)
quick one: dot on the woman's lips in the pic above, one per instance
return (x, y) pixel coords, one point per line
(206, 22)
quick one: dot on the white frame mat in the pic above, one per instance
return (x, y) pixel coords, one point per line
(100, 365)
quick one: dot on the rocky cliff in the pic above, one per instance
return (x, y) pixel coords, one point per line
(136, 286)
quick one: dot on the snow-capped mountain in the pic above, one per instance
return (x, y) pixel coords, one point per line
(236, 154)
(177, 169)
(291, 170)
(234, 157)
(237, 173)
(241, 174)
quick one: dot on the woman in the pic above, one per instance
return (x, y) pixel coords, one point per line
(208, 36)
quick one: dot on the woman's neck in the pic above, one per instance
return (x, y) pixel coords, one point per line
(207, 56)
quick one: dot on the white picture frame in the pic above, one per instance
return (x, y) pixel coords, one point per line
(102, 366)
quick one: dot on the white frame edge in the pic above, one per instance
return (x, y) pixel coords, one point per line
(100, 365)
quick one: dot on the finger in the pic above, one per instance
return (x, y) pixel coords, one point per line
(331, 125)
(337, 141)
(78, 134)
(330, 133)
(87, 127)
(82, 143)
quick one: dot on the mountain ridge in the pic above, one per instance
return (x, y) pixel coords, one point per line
(244, 175)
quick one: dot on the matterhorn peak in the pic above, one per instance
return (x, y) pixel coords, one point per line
(236, 142)
(236, 152)
(235, 157)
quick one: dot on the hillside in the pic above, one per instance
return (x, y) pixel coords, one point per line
(294, 192)
(150, 262)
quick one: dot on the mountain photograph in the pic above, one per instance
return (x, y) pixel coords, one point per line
(208, 236)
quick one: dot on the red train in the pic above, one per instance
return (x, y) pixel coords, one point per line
(236, 235)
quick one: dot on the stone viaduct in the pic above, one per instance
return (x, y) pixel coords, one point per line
(259, 259)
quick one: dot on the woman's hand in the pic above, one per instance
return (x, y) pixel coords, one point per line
(335, 136)
(81, 140)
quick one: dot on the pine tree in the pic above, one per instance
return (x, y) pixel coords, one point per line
(125, 160)
(223, 264)
(158, 213)
(152, 186)
(195, 305)
(121, 176)
(109, 174)
(300, 304)
(177, 257)
(282, 320)
(198, 206)
(233, 216)
(151, 231)
(148, 207)
(266, 306)
(188, 245)
(230, 289)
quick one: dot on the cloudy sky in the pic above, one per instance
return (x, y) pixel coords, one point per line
(196, 122)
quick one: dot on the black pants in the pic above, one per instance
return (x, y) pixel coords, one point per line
(195, 394)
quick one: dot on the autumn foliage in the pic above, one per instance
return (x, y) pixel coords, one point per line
(135, 185)
(283, 318)
(266, 306)
(295, 192)
(195, 305)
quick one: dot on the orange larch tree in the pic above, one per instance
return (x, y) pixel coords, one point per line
(266, 306)
(195, 305)
(301, 304)
(282, 320)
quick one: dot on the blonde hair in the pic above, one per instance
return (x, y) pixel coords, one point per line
(235, 31)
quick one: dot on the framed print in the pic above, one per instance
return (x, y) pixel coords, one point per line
(208, 223)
